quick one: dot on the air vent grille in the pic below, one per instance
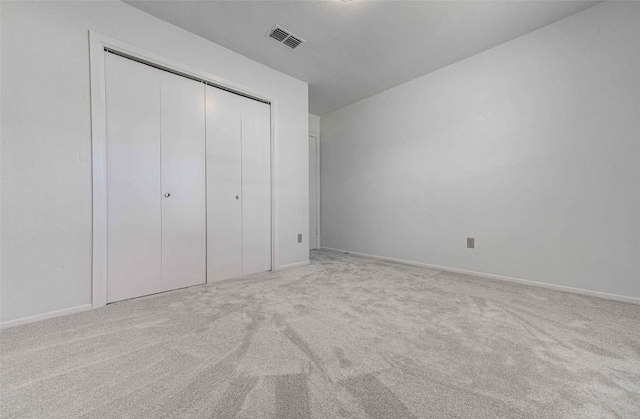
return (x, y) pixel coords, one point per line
(285, 37)
(278, 34)
(292, 41)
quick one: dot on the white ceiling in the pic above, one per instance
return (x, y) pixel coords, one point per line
(359, 48)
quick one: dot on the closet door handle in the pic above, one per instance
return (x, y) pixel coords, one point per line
(167, 195)
(237, 196)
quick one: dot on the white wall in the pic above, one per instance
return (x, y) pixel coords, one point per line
(314, 125)
(46, 142)
(532, 147)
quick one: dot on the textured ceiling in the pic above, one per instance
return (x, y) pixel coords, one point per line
(359, 48)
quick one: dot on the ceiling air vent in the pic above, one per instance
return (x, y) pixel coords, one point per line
(285, 37)
(292, 41)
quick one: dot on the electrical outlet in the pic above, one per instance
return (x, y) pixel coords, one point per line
(300, 238)
(471, 242)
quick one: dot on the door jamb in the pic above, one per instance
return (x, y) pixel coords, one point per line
(318, 237)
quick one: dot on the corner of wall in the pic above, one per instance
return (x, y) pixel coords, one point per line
(314, 125)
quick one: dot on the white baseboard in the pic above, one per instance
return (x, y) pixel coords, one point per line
(529, 282)
(607, 296)
(44, 316)
(293, 265)
(86, 307)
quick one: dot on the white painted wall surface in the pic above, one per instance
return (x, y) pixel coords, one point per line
(46, 142)
(314, 125)
(532, 147)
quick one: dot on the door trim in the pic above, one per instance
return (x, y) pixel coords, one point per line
(318, 237)
(97, 45)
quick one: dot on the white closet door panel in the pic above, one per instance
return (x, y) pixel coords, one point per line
(133, 179)
(183, 180)
(313, 193)
(256, 186)
(224, 165)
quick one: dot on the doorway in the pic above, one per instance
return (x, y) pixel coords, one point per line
(314, 193)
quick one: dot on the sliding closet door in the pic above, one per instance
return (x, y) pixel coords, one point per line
(224, 185)
(256, 186)
(183, 181)
(133, 179)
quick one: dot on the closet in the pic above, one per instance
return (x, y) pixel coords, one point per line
(188, 181)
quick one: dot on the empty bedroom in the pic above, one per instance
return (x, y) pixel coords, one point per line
(320, 209)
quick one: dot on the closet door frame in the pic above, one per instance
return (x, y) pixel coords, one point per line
(98, 43)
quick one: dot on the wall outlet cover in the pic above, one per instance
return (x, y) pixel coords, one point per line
(471, 242)
(300, 238)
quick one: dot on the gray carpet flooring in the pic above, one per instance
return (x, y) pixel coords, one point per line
(342, 337)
